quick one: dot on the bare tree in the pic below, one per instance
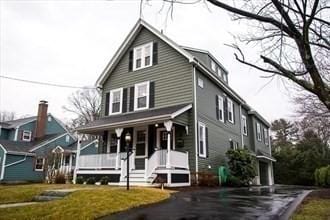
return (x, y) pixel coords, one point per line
(7, 116)
(294, 37)
(85, 104)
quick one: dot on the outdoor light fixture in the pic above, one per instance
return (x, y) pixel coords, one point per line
(156, 125)
(128, 139)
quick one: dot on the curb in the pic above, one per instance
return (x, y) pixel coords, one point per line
(287, 214)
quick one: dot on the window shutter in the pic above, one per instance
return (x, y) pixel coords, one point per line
(105, 142)
(131, 99)
(130, 61)
(107, 104)
(124, 109)
(155, 53)
(152, 95)
(225, 107)
(207, 142)
(217, 107)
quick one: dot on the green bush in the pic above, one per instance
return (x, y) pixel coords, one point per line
(91, 180)
(104, 180)
(241, 165)
(233, 181)
(60, 178)
(80, 180)
(322, 176)
(327, 180)
(317, 177)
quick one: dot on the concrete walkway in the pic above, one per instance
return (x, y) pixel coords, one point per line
(221, 203)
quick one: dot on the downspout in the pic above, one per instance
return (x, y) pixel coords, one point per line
(3, 162)
(240, 123)
(195, 121)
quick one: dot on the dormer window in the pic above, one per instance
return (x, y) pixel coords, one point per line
(116, 100)
(141, 96)
(142, 56)
(26, 135)
(213, 66)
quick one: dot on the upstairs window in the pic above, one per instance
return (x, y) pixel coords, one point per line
(244, 124)
(202, 139)
(116, 99)
(141, 96)
(258, 132)
(266, 136)
(39, 166)
(200, 83)
(219, 72)
(142, 56)
(220, 108)
(26, 135)
(213, 66)
(230, 107)
(225, 77)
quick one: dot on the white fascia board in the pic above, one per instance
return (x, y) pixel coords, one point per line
(87, 145)
(265, 157)
(63, 126)
(47, 142)
(180, 111)
(130, 37)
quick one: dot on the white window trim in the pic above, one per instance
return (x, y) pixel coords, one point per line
(200, 83)
(258, 131)
(142, 55)
(213, 66)
(221, 107)
(111, 99)
(266, 137)
(231, 104)
(67, 138)
(43, 164)
(244, 123)
(200, 124)
(30, 135)
(219, 72)
(136, 95)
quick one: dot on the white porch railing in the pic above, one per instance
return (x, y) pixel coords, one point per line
(97, 161)
(179, 159)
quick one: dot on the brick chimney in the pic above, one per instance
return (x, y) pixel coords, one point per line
(41, 119)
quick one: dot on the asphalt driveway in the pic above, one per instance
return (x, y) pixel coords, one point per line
(221, 203)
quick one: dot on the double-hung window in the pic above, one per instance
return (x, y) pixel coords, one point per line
(213, 66)
(116, 100)
(202, 139)
(220, 108)
(141, 96)
(219, 72)
(230, 109)
(26, 136)
(258, 132)
(39, 166)
(244, 124)
(266, 136)
(142, 56)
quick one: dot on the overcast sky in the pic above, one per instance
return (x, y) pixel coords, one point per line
(70, 42)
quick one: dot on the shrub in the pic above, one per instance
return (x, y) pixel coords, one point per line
(323, 176)
(233, 181)
(241, 165)
(327, 180)
(91, 180)
(317, 177)
(104, 180)
(60, 178)
(80, 180)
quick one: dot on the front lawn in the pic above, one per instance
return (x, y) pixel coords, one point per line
(88, 203)
(315, 206)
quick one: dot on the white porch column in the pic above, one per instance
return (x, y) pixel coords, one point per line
(77, 158)
(168, 125)
(70, 163)
(61, 168)
(119, 131)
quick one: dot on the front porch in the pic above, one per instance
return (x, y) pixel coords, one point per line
(158, 154)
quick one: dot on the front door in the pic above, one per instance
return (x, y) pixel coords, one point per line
(141, 146)
(162, 138)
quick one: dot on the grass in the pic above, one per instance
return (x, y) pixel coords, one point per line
(315, 207)
(86, 203)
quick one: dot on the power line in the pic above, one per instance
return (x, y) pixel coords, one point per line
(46, 83)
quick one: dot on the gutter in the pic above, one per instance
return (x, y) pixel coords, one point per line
(195, 120)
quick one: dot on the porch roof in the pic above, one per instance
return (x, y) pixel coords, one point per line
(135, 118)
(262, 155)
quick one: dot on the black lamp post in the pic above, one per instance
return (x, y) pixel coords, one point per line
(128, 139)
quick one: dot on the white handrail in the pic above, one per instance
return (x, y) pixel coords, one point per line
(97, 161)
(153, 163)
(179, 159)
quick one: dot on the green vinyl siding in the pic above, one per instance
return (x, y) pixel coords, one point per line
(4, 134)
(219, 133)
(172, 75)
(46, 149)
(90, 149)
(23, 171)
(259, 145)
(53, 127)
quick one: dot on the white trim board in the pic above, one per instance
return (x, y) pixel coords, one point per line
(47, 142)
(3, 162)
(87, 145)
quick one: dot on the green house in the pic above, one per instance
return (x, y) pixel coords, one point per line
(174, 107)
